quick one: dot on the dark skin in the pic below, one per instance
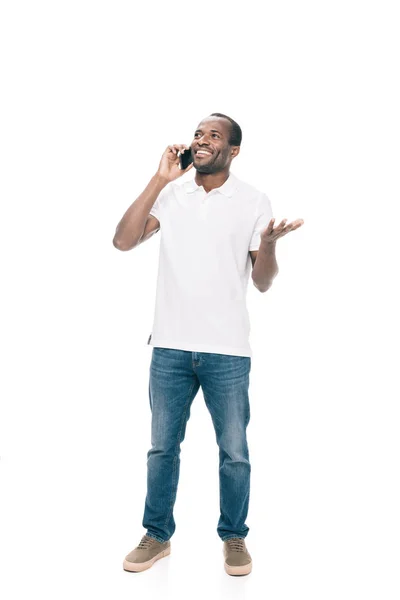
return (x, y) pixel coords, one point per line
(212, 170)
(212, 134)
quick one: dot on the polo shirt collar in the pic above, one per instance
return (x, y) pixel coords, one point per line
(226, 188)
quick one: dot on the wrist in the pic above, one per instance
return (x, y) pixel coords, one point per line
(268, 246)
(161, 179)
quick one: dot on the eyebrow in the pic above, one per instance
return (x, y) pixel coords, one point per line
(215, 130)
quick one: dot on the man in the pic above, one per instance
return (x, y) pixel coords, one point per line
(213, 229)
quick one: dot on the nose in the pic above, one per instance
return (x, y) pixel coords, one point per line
(202, 140)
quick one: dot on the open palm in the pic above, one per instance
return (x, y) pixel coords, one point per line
(270, 234)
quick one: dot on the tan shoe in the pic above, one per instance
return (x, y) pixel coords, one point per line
(237, 558)
(145, 554)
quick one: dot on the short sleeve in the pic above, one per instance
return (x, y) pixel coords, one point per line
(157, 207)
(263, 217)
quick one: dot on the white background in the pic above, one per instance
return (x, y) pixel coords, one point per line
(92, 93)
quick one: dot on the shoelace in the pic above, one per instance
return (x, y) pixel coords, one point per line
(236, 544)
(146, 542)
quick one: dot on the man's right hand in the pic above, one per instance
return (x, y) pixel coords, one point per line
(169, 165)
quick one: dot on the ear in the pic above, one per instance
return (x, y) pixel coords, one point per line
(235, 151)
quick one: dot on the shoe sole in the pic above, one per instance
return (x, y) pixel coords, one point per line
(239, 570)
(136, 567)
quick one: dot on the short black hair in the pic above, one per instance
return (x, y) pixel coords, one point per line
(235, 138)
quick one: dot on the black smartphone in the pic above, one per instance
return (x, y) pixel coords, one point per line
(185, 159)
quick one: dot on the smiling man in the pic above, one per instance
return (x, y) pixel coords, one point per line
(215, 230)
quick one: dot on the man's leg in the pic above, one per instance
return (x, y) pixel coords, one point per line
(225, 383)
(173, 386)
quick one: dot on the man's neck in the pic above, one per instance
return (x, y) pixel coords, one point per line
(210, 181)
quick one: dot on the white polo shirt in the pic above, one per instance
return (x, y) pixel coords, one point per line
(204, 265)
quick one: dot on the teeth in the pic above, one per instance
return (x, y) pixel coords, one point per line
(202, 152)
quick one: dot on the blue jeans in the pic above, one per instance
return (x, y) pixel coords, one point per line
(175, 378)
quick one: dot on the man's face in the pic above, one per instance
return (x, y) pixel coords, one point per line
(210, 148)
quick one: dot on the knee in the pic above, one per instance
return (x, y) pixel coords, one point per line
(234, 446)
(163, 447)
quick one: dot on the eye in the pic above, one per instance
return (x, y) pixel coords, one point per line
(216, 134)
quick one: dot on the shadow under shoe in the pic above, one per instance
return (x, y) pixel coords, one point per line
(145, 554)
(237, 558)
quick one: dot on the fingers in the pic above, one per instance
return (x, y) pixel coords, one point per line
(172, 149)
(182, 148)
(282, 224)
(294, 225)
(175, 148)
(282, 230)
(270, 225)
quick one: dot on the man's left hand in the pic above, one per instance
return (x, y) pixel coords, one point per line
(270, 235)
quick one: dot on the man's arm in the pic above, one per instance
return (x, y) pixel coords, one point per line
(131, 230)
(265, 267)
(136, 225)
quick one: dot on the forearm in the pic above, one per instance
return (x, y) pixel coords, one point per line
(130, 229)
(265, 267)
